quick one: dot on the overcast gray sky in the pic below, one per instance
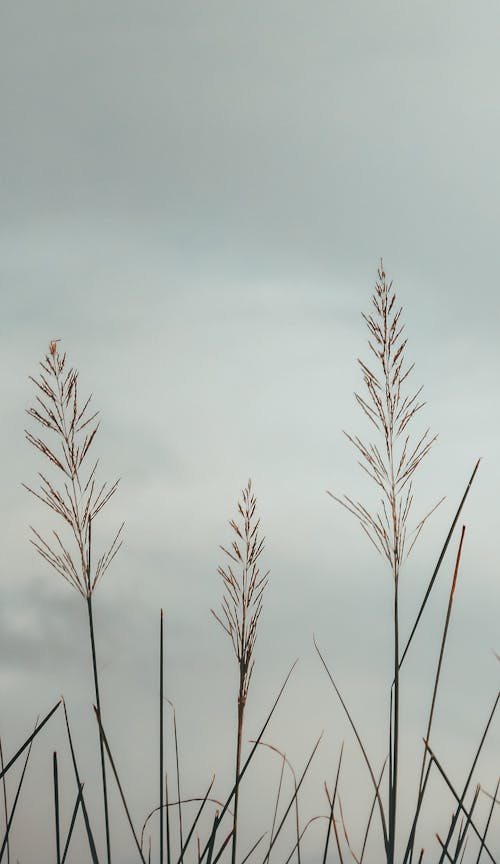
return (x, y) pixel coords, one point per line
(195, 198)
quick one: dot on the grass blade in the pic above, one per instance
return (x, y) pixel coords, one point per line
(90, 836)
(56, 809)
(372, 809)
(167, 821)
(161, 739)
(460, 808)
(5, 807)
(217, 820)
(78, 802)
(439, 562)
(193, 826)
(27, 743)
(18, 792)
(294, 796)
(486, 827)
(332, 804)
(358, 738)
(118, 783)
(252, 850)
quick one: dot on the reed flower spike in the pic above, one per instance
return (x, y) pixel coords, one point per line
(69, 428)
(244, 586)
(391, 409)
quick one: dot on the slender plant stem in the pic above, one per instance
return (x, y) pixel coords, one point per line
(79, 784)
(332, 805)
(239, 737)
(177, 766)
(161, 740)
(439, 562)
(393, 788)
(18, 792)
(119, 785)
(6, 811)
(167, 821)
(38, 728)
(490, 814)
(78, 802)
(56, 809)
(101, 742)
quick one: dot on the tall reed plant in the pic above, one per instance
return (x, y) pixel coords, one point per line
(243, 585)
(390, 459)
(71, 490)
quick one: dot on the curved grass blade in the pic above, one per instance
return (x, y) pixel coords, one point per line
(195, 822)
(294, 796)
(358, 738)
(287, 762)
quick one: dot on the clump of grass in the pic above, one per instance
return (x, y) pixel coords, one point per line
(69, 428)
(243, 586)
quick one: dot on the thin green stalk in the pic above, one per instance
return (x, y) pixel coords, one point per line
(78, 802)
(332, 805)
(436, 684)
(276, 805)
(285, 761)
(161, 739)
(222, 848)
(439, 562)
(411, 839)
(239, 738)
(463, 834)
(471, 771)
(372, 809)
(27, 743)
(393, 783)
(178, 773)
(195, 822)
(252, 850)
(294, 796)
(460, 808)
(118, 783)
(5, 808)
(486, 827)
(361, 745)
(18, 792)
(208, 850)
(79, 784)
(101, 742)
(56, 809)
(167, 821)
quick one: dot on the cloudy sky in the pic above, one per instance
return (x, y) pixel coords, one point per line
(195, 198)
